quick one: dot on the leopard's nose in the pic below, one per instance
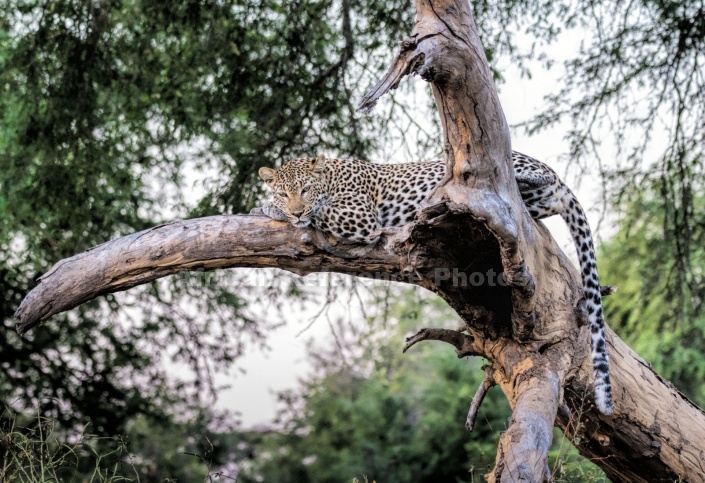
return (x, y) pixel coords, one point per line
(297, 214)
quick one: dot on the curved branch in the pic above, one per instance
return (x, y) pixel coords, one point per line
(200, 244)
(465, 345)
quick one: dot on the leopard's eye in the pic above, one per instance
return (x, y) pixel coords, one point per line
(282, 194)
(305, 190)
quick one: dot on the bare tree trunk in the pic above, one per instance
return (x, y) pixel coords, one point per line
(530, 328)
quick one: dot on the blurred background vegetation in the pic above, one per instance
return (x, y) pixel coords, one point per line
(110, 109)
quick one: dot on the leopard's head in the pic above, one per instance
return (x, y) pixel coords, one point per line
(298, 188)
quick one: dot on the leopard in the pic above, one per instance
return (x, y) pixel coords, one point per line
(353, 200)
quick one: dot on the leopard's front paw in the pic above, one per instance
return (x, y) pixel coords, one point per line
(271, 211)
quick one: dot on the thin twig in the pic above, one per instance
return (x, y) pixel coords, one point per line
(487, 382)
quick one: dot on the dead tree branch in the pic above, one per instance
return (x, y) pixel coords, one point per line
(485, 385)
(201, 244)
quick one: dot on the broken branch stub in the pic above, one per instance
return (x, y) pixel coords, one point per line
(485, 385)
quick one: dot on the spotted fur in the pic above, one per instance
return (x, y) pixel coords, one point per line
(353, 199)
(544, 195)
(349, 198)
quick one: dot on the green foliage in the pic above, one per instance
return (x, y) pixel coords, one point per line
(655, 311)
(34, 454)
(567, 466)
(384, 415)
(35, 450)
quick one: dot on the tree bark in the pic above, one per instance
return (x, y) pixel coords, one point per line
(654, 435)
(527, 323)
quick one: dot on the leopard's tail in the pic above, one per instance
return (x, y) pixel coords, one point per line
(575, 218)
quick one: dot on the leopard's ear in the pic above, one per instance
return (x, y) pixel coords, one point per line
(318, 165)
(267, 175)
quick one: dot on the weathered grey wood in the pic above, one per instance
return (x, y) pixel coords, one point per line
(199, 244)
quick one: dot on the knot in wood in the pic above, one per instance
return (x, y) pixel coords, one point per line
(467, 171)
(603, 439)
(306, 238)
(429, 74)
(408, 43)
(407, 271)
